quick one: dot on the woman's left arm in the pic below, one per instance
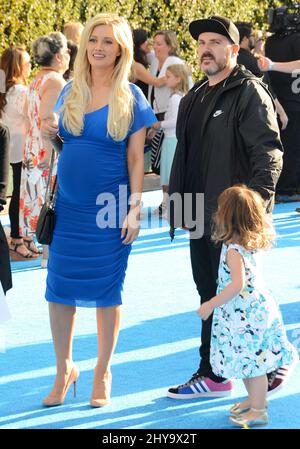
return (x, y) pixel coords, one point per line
(135, 162)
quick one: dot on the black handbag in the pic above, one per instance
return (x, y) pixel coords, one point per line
(156, 143)
(46, 220)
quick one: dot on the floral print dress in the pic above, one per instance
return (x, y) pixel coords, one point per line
(248, 335)
(35, 169)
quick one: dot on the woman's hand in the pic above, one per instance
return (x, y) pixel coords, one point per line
(151, 133)
(131, 226)
(205, 310)
(156, 125)
(49, 127)
(264, 63)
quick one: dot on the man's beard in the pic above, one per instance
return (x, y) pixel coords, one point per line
(219, 67)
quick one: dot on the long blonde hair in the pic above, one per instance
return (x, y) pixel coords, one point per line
(241, 218)
(121, 98)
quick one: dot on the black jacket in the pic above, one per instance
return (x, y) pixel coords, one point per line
(240, 144)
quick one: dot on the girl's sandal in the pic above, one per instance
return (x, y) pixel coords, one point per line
(32, 247)
(17, 255)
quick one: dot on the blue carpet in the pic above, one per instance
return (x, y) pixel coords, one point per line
(158, 343)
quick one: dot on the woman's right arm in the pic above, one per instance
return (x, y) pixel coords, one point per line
(142, 74)
(49, 126)
(266, 64)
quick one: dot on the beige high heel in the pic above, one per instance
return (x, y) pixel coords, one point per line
(105, 385)
(51, 401)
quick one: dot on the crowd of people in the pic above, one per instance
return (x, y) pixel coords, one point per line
(103, 91)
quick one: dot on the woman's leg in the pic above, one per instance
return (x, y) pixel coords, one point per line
(13, 210)
(165, 189)
(108, 324)
(16, 242)
(62, 321)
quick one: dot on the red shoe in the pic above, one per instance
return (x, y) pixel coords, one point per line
(278, 378)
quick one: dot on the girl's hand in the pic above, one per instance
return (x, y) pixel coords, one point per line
(131, 226)
(264, 63)
(283, 118)
(205, 310)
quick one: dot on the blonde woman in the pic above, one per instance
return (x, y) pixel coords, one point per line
(103, 120)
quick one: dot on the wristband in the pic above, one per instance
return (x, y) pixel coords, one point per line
(271, 63)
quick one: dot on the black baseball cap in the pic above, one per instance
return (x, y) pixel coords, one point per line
(215, 24)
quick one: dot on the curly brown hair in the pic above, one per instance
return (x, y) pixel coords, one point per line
(241, 218)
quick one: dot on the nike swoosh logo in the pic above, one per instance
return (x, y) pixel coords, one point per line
(217, 113)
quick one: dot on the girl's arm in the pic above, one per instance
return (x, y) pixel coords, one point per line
(172, 113)
(135, 163)
(237, 270)
(266, 64)
(142, 74)
(282, 114)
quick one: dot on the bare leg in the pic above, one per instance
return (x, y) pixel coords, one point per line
(45, 252)
(108, 324)
(257, 390)
(246, 402)
(165, 194)
(62, 321)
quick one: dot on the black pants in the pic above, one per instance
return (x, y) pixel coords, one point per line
(14, 206)
(289, 180)
(205, 257)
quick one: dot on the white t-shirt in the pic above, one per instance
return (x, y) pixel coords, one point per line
(14, 117)
(169, 124)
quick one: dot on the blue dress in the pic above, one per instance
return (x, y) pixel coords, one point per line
(248, 336)
(87, 261)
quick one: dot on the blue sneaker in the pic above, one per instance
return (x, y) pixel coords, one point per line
(201, 386)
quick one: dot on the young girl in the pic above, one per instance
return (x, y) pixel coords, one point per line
(177, 79)
(248, 337)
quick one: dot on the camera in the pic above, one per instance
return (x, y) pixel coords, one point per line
(284, 20)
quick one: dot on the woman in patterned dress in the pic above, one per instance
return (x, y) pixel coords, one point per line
(51, 53)
(248, 336)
